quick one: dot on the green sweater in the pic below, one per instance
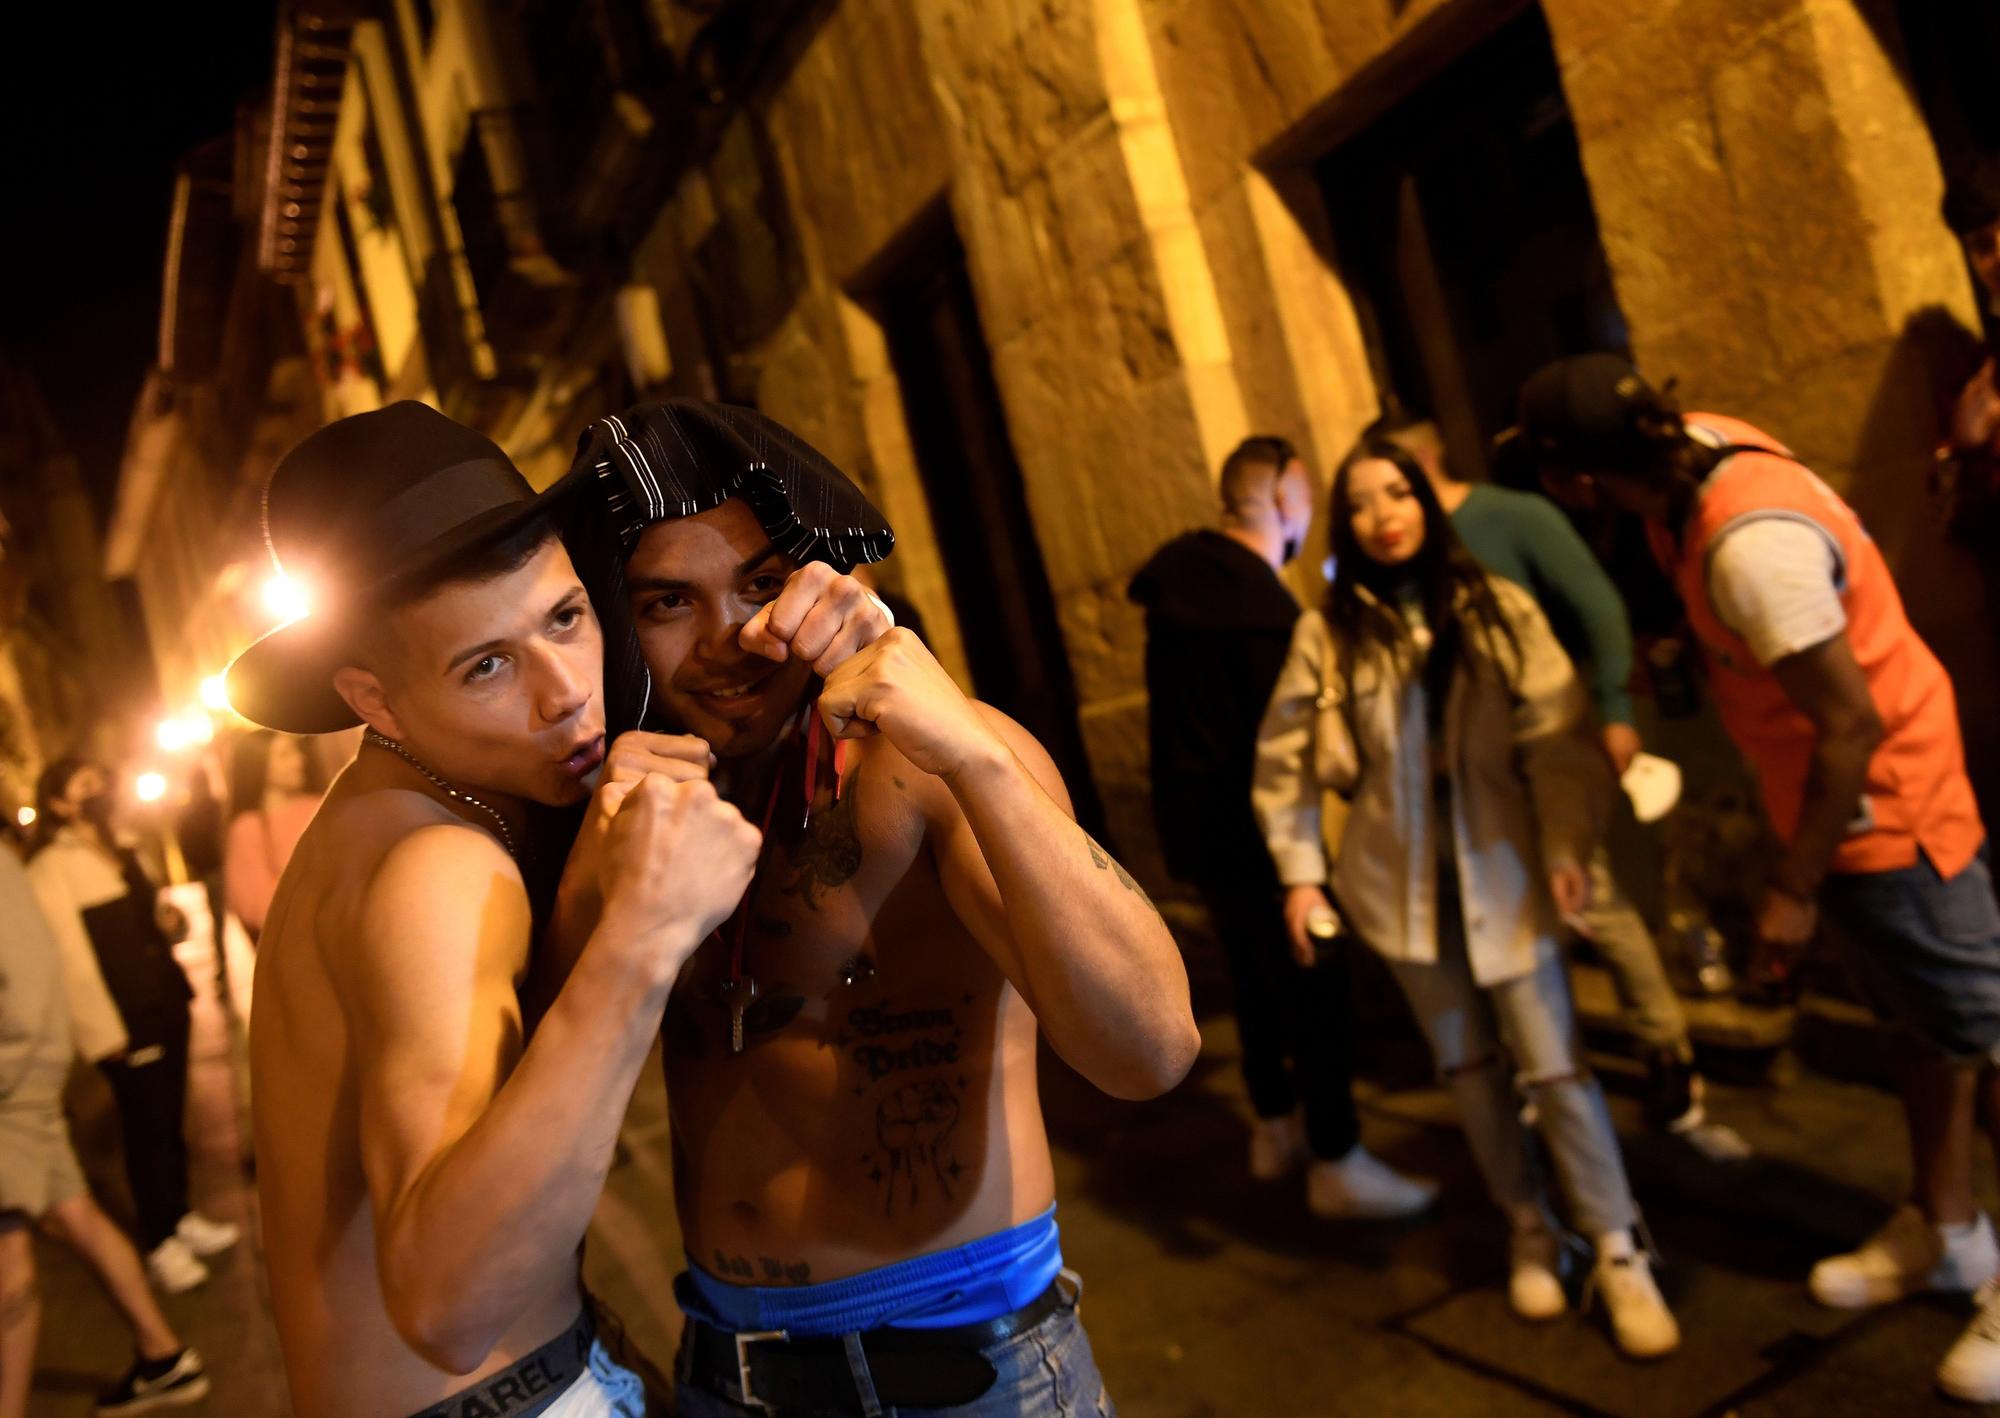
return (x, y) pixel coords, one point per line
(1527, 540)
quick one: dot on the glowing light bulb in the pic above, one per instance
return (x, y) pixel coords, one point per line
(26, 816)
(150, 787)
(285, 598)
(215, 693)
(172, 735)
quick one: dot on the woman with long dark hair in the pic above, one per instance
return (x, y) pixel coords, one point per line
(1424, 756)
(128, 1000)
(272, 798)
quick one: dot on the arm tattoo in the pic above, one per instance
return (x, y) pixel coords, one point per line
(1104, 861)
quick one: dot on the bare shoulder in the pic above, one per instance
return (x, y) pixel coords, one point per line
(420, 894)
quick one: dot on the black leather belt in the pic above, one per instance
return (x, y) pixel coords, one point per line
(911, 1368)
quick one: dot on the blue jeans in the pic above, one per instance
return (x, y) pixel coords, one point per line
(1925, 951)
(1476, 1032)
(1044, 1372)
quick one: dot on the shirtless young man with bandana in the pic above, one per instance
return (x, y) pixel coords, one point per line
(861, 1169)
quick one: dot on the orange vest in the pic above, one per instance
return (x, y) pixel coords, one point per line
(1917, 794)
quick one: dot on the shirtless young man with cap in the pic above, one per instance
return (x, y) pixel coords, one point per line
(426, 1165)
(861, 1169)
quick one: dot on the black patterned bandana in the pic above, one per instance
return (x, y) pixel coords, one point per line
(680, 457)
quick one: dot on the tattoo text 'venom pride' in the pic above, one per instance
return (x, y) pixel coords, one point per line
(917, 1051)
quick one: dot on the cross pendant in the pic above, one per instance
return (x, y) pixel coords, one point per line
(740, 994)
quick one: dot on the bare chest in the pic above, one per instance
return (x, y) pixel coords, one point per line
(846, 905)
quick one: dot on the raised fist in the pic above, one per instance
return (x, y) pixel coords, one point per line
(897, 688)
(679, 757)
(820, 616)
(677, 860)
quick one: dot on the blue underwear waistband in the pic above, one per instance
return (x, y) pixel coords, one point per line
(969, 1284)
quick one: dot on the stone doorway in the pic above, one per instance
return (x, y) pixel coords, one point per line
(978, 502)
(1464, 231)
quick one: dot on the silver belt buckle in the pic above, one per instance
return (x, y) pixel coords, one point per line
(743, 1343)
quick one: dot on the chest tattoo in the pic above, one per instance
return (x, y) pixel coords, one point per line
(828, 856)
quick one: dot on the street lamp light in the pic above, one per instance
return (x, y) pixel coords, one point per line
(285, 598)
(187, 731)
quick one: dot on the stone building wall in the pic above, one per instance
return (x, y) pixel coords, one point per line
(1149, 252)
(1768, 197)
(1149, 248)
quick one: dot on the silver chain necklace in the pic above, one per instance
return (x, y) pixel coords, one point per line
(506, 837)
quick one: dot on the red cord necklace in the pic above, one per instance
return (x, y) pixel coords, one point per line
(739, 991)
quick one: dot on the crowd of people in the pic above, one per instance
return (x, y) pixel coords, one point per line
(1427, 766)
(645, 757)
(90, 974)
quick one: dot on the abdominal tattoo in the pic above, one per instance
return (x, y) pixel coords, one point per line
(916, 1118)
(766, 1270)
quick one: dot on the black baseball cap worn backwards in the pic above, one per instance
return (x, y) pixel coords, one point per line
(1591, 411)
(357, 507)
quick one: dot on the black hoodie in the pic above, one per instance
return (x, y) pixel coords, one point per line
(1218, 624)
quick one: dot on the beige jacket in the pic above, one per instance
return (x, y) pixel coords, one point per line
(1528, 788)
(34, 1012)
(69, 876)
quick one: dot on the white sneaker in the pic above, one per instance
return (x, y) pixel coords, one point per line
(205, 1236)
(1362, 1187)
(1641, 1323)
(1534, 1278)
(1277, 1147)
(1907, 1255)
(174, 1268)
(1971, 1368)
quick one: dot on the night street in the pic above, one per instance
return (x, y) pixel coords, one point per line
(1334, 664)
(1207, 1295)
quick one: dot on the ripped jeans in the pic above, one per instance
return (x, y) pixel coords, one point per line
(1514, 1044)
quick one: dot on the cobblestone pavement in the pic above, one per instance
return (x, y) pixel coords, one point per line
(1210, 1295)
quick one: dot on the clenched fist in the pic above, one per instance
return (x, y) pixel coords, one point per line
(897, 688)
(820, 616)
(682, 758)
(677, 860)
